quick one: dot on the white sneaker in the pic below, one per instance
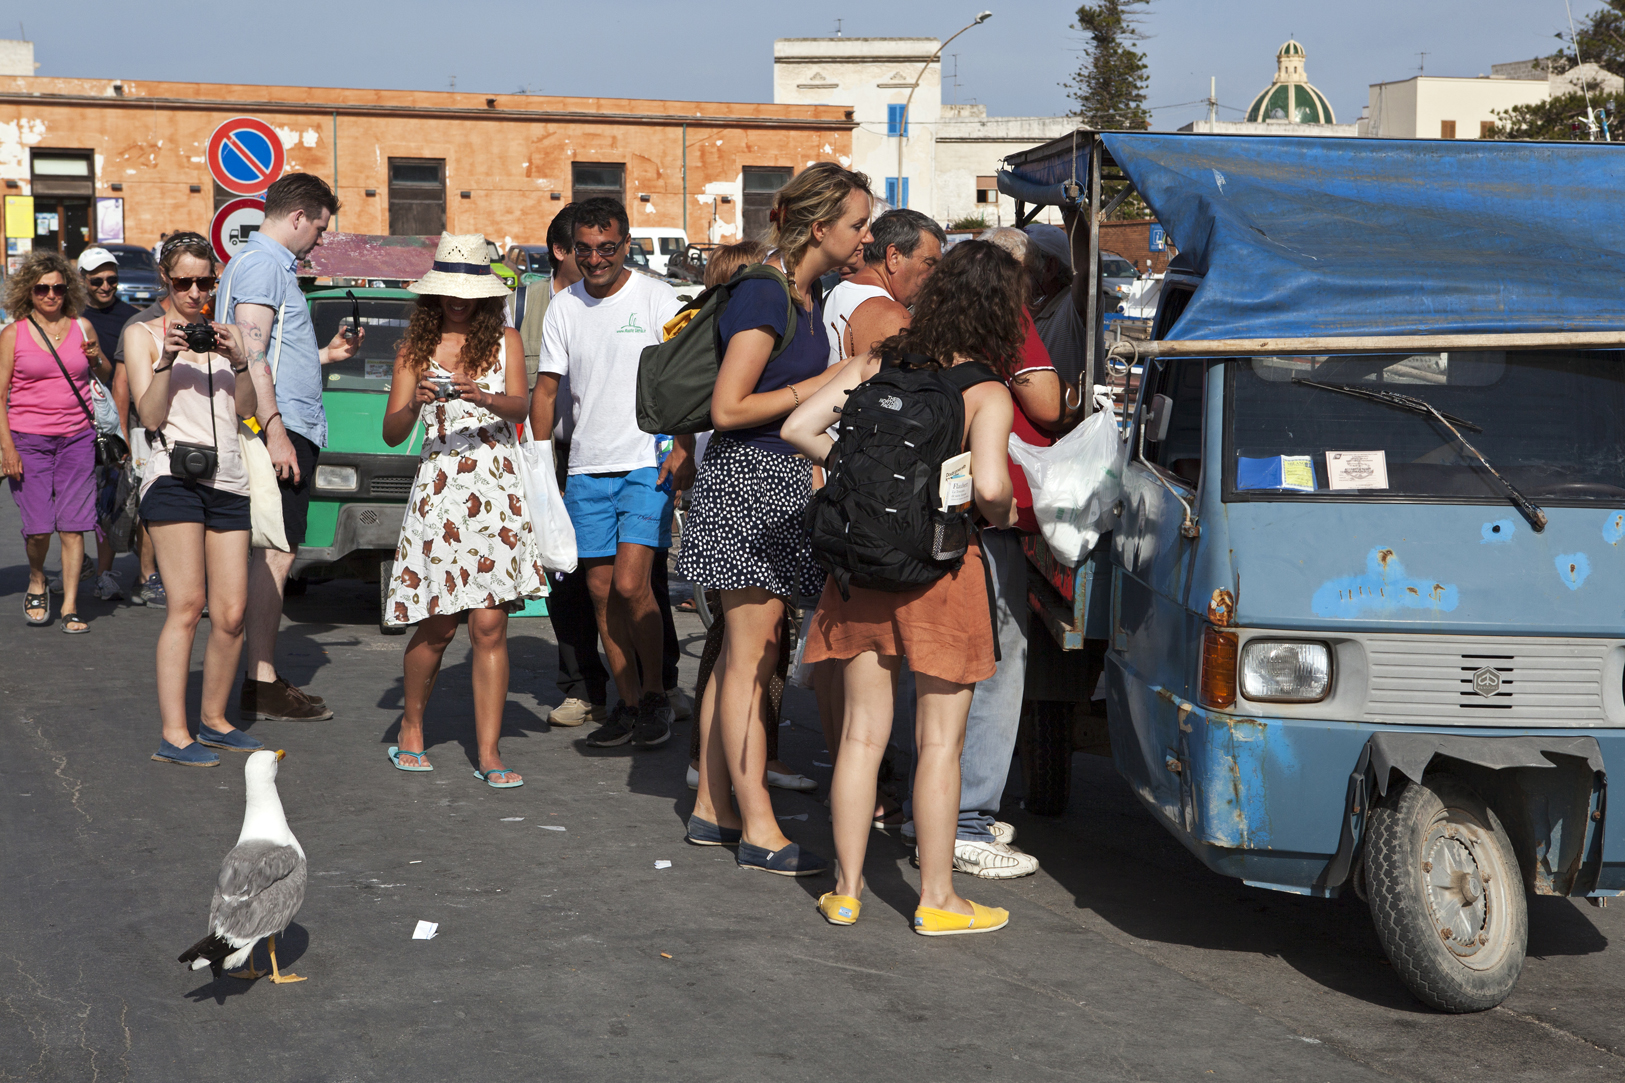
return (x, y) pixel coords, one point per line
(693, 777)
(992, 860)
(573, 712)
(1003, 832)
(791, 782)
(107, 588)
(682, 704)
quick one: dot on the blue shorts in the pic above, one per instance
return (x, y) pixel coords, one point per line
(608, 510)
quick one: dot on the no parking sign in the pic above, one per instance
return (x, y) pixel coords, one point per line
(233, 225)
(245, 156)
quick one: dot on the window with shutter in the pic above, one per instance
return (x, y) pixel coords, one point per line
(1447, 129)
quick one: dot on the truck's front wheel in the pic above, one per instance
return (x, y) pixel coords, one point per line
(1446, 894)
(1045, 743)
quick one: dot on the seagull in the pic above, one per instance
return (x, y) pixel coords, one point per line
(262, 883)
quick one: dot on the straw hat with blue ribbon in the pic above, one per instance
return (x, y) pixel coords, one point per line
(461, 268)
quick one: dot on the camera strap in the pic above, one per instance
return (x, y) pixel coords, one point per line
(89, 415)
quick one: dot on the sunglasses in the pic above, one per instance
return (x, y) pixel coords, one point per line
(206, 283)
(98, 283)
(605, 251)
(56, 289)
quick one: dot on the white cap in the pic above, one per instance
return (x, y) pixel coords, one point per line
(1052, 241)
(92, 258)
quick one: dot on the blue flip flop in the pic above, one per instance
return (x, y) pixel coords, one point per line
(485, 777)
(423, 763)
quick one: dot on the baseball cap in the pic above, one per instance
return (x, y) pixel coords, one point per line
(1052, 241)
(92, 258)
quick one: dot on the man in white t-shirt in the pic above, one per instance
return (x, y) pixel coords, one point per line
(872, 305)
(619, 494)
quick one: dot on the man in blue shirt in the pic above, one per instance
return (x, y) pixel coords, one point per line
(260, 294)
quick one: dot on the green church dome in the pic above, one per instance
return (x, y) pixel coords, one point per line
(1290, 99)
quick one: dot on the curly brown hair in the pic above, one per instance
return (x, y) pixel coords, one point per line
(36, 265)
(971, 305)
(479, 352)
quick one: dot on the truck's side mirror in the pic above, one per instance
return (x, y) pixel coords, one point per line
(1158, 417)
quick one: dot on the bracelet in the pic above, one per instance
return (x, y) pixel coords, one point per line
(166, 368)
(239, 371)
(794, 393)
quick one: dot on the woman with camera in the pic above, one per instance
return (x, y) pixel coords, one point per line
(47, 439)
(189, 381)
(467, 550)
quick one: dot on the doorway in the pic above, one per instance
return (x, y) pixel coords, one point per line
(762, 184)
(64, 188)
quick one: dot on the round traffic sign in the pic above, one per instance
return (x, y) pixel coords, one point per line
(233, 225)
(245, 155)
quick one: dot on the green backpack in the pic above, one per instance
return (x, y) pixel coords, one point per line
(676, 377)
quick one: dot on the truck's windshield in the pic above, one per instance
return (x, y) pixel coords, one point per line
(1547, 420)
(385, 319)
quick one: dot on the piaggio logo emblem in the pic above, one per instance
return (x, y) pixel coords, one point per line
(1487, 682)
(892, 402)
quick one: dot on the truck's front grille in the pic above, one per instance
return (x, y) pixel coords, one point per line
(1487, 680)
(398, 488)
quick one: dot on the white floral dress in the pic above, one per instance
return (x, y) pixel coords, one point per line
(467, 541)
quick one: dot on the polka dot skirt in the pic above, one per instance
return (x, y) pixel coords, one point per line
(744, 526)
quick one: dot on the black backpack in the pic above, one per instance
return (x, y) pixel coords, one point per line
(676, 377)
(877, 522)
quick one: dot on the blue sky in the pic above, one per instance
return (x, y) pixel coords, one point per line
(712, 50)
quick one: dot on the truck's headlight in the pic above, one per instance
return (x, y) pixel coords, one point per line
(336, 478)
(1275, 671)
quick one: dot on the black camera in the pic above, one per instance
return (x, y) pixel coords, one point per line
(193, 462)
(199, 337)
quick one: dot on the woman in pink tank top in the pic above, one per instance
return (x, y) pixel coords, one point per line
(47, 439)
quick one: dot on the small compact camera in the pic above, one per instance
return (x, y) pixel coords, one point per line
(444, 390)
(193, 462)
(199, 337)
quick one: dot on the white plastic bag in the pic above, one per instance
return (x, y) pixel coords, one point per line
(1075, 482)
(555, 536)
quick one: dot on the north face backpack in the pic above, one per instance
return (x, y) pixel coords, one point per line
(877, 522)
(676, 376)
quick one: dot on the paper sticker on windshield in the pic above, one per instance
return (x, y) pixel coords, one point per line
(378, 370)
(1294, 472)
(1357, 469)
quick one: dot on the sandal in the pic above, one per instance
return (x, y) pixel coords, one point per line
(423, 763)
(486, 776)
(37, 601)
(73, 618)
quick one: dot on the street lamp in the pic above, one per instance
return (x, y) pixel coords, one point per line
(902, 127)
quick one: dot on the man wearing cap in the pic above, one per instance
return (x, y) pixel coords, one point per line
(1060, 304)
(260, 294)
(107, 314)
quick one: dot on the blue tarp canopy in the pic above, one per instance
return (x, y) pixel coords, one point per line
(1302, 237)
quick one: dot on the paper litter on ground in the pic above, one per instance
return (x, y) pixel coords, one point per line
(419, 861)
(426, 930)
(551, 827)
(662, 864)
(512, 819)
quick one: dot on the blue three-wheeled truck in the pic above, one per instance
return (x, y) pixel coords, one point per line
(1361, 620)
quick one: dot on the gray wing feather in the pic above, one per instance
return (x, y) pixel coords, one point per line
(260, 889)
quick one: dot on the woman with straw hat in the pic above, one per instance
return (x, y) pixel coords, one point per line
(466, 543)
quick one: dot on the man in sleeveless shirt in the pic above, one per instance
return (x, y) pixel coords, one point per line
(872, 305)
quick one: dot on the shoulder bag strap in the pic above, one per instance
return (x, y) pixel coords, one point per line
(281, 311)
(89, 416)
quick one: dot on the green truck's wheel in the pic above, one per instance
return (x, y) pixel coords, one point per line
(1045, 744)
(386, 572)
(1446, 894)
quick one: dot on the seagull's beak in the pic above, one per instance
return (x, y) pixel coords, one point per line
(280, 754)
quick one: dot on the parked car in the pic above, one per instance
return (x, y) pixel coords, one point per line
(1117, 275)
(529, 260)
(138, 282)
(498, 268)
(689, 264)
(661, 245)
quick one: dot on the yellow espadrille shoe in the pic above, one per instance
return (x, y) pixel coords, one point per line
(839, 909)
(986, 919)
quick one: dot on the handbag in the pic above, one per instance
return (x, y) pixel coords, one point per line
(264, 497)
(110, 446)
(555, 535)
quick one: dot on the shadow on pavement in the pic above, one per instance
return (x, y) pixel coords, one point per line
(291, 945)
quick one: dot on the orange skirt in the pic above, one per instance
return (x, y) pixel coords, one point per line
(945, 630)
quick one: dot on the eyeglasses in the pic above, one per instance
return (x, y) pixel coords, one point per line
(206, 283)
(605, 251)
(98, 283)
(55, 289)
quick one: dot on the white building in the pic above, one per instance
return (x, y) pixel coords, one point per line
(950, 153)
(1444, 107)
(1290, 105)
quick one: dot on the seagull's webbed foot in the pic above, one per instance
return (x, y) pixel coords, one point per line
(247, 973)
(276, 975)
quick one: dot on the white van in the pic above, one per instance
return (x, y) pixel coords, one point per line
(660, 245)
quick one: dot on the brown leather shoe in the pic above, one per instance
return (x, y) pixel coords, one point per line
(300, 692)
(277, 701)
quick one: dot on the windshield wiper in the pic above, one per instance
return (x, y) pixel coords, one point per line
(1412, 404)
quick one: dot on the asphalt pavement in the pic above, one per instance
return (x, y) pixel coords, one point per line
(566, 954)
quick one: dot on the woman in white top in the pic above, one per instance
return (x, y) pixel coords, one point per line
(194, 494)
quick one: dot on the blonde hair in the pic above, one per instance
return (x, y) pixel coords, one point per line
(816, 195)
(725, 261)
